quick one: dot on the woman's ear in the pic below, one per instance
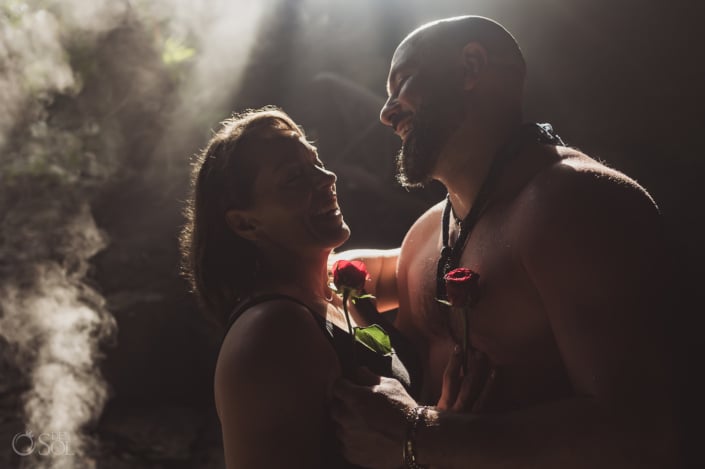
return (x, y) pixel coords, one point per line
(474, 62)
(242, 223)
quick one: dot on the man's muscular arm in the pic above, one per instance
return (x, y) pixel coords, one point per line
(382, 266)
(593, 250)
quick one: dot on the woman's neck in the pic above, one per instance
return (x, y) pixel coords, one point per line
(305, 277)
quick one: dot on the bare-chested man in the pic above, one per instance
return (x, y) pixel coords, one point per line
(571, 266)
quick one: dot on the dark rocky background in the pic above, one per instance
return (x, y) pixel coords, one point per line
(105, 102)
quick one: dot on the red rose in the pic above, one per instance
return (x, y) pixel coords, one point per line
(462, 286)
(349, 274)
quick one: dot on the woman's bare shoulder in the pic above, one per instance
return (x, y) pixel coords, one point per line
(273, 380)
(274, 342)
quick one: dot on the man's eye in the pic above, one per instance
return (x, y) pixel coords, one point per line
(399, 85)
(320, 164)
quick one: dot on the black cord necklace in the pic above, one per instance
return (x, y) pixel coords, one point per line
(450, 255)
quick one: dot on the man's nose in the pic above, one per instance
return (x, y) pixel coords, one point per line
(389, 110)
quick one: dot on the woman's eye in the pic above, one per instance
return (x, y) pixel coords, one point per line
(293, 176)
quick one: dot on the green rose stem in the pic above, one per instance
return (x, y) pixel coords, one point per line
(346, 296)
(462, 291)
(463, 312)
(464, 325)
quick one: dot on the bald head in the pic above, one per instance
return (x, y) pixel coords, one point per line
(444, 39)
(456, 80)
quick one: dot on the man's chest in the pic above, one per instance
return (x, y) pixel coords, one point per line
(507, 322)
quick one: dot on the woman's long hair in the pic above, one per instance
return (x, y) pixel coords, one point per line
(220, 265)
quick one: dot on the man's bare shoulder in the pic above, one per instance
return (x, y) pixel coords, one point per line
(577, 200)
(576, 183)
(425, 226)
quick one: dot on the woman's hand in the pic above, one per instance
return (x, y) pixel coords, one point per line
(371, 419)
(371, 415)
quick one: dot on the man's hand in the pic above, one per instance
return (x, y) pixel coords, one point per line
(382, 267)
(371, 419)
(466, 392)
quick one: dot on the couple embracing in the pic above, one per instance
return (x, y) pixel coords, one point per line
(529, 330)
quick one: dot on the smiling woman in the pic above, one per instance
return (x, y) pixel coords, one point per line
(262, 222)
(294, 200)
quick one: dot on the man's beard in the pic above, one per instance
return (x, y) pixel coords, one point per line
(434, 123)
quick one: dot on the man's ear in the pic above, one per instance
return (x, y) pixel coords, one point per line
(242, 223)
(474, 61)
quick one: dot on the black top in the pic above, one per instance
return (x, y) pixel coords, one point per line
(402, 364)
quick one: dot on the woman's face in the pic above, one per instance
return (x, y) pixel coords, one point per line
(295, 204)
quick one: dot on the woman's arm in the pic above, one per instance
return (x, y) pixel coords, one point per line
(382, 267)
(272, 383)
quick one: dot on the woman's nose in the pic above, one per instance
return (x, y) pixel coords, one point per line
(326, 177)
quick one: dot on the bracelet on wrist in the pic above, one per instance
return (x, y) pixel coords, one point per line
(415, 418)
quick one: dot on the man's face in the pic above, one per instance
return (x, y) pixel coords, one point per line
(424, 108)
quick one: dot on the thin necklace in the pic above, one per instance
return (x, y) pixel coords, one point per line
(450, 255)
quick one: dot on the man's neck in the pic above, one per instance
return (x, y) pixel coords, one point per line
(466, 160)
